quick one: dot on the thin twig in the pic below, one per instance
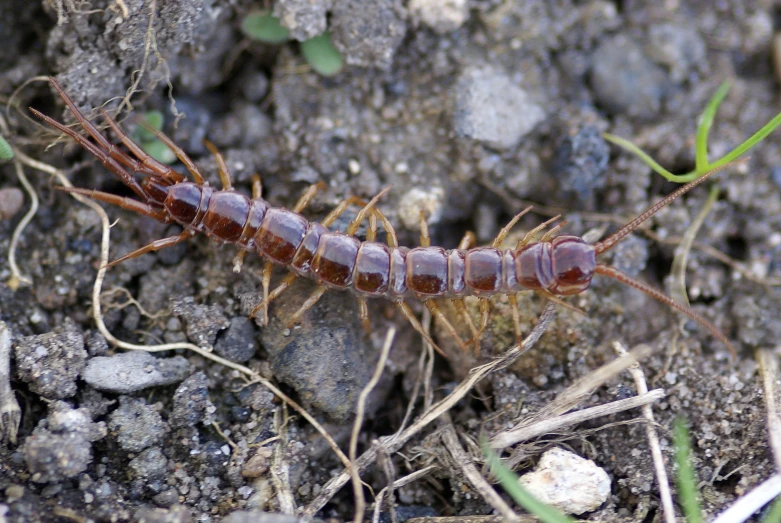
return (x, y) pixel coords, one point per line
(10, 413)
(360, 410)
(749, 503)
(17, 278)
(463, 460)
(768, 364)
(406, 480)
(665, 493)
(280, 470)
(548, 425)
(394, 442)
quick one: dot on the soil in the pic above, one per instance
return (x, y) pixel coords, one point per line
(470, 109)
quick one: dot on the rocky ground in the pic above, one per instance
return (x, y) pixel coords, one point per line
(471, 109)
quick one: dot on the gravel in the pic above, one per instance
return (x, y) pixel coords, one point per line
(128, 372)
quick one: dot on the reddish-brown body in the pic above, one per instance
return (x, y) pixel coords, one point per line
(560, 266)
(339, 261)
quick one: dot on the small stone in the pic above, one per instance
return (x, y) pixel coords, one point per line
(191, 402)
(679, 47)
(491, 108)
(258, 464)
(368, 32)
(11, 200)
(128, 372)
(63, 419)
(442, 16)
(568, 482)
(304, 19)
(56, 457)
(137, 425)
(237, 343)
(625, 80)
(150, 465)
(175, 514)
(581, 160)
(51, 363)
(202, 322)
(429, 200)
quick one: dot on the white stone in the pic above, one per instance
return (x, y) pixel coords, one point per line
(568, 482)
(442, 16)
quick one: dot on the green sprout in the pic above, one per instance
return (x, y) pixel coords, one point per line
(149, 143)
(523, 497)
(6, 151)
(321, 55)
(701, 144)
(264, 27)
(318, 51)
(687, 484)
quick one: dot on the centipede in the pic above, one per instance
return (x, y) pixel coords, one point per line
(555, 265)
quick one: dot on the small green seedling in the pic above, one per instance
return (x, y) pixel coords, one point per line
(701, 144)
(151, 145)
(319, 52)
(321, 55)
(264, 27)
(6, 152)
(510, 483)
(687, 484)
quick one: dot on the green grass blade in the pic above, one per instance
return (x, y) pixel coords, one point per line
(509, 482)
(774, 514)
(704, 126)
(687, 484)
(646, 158)
(748, 144)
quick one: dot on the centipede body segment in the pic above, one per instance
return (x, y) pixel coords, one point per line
(554, 265)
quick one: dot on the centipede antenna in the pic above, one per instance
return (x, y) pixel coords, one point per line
(611, 272)
(120, 201)
(619, 235)
(110, 163)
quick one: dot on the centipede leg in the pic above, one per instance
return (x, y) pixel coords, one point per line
(461, 309)
(506, 229)
(548, 236)
(154, 246)
(306, 198)
(432, 306)
(222, 167)
(425, 238)
(558, 301)
(363, 310)
(407, 313)
(529, 235)
(121, 201)
(145, 163)
(306, 306)
(485, 313)
(178, 151)
(516, 312)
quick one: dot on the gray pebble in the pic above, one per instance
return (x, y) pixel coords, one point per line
(581, 160)
(244, 516)
(132, 371)
(60, 446)
(202, 322)
(324, 358)
(757, 320)
(136, 424)
(303, 18)
(631, 255)
(51, 363)
(679, 47)
(491, 108)
(64, 419)
(367, 32)
(175, 514)
(442, 16)
(625, 80)
(191, 402)
(150, 465)
(55, 457)
(254, 86)
(11, 200)
(237, 343)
